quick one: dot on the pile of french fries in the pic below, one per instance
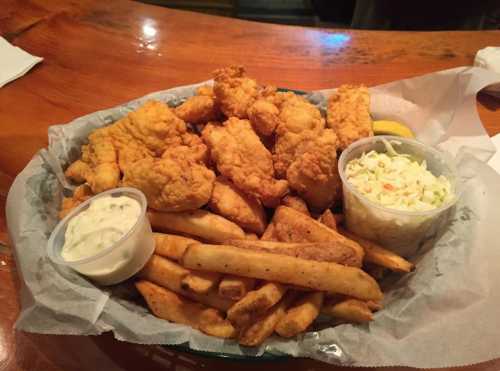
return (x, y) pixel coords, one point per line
(207, 273)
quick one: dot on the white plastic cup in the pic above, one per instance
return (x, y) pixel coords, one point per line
(121, 260)
(398, 230)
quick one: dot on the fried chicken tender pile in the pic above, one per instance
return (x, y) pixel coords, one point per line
(139, 147)
(260, 145)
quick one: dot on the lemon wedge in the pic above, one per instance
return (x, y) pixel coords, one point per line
(386, 127)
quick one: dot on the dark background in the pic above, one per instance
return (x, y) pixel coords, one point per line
(356, 14)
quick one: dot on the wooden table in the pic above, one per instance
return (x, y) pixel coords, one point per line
(98, 54)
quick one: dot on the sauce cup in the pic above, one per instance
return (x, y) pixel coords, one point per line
(120, 260)
(401, 231)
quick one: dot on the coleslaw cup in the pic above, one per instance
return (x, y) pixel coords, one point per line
(117, 262)
(401, 231)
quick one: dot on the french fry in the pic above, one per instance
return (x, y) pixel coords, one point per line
(263, 327)
(321, 276)
(255, 303)
(296, 203)
(198, 223)
(350, 310)
(212, 323)
(168, 305)
(168, 274)
(378, 255)
(171, 246)
(300, 315)
(292, 226)
(200, 282)
(235, 287)
(328, 219)
(334, 251)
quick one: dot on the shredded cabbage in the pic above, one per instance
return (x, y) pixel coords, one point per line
(397, 181)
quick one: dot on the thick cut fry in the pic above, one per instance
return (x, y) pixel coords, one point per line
(168, 274)
(240, 208)
(171, 246)
(198, 223)
(168, 305)
(350, 310)
(300, 315)
(296, 203)
(328, 219)
(336, 252)
(235, 287)
(321, 276)
(200, 282)
(378, 255)
(263, 327)
(211, 322)
(293, 226)
(255, 303)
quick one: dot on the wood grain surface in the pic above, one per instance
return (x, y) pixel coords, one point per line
(98, 54)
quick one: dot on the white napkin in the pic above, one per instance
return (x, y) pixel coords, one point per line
(494, 162)
(488, 58)
(14, 62)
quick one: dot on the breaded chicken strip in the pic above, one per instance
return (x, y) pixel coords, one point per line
(234, 91)
(178, 181)
(313, 174)
(297, 114)
(229, 202)
(198, 109)
(242, 158)
(284, 112)
(143, 133)
(348, 114)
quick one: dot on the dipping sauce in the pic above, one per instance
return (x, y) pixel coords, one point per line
(106, 220)
(397, 181)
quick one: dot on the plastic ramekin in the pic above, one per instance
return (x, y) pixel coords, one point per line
(401, 231)
(120, 260)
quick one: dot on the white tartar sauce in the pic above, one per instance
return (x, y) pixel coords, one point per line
(106, 220)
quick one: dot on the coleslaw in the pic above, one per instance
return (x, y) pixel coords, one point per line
(398, 181)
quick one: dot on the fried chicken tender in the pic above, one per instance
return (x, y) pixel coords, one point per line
(313, 174)
(198, 109)
(264, 117)
(144, 133)
(297, 114)
(231, 203)
(178, 181)
(348, 114)
(235, 92)
(242, 158)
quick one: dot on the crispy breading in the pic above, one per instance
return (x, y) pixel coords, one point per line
(348, 114)
(143, 133)
(198, 109)
(242, 158)
(264, 117)
(313, 172)
(176, 182)
(244, 210)
(235, 92)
